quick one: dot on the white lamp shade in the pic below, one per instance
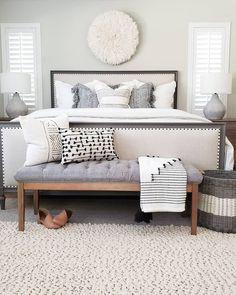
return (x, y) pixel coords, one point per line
(220, 83)
(15, 82)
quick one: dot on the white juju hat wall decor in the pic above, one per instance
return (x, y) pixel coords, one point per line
(113, 37)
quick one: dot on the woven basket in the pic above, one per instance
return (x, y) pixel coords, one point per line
(217, 201)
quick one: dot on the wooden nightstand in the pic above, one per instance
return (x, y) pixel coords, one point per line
(230, 126)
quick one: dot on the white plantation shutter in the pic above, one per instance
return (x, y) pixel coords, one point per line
(21, 53)
(208, 52)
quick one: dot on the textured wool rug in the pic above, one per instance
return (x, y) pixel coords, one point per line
(115, 259)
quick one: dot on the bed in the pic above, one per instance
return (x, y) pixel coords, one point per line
(168, 133)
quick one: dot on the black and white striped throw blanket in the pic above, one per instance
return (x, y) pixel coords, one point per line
(163, 184)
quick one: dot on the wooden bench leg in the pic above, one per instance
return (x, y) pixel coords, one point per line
(194, 209)
(21, 206)
(36, 201)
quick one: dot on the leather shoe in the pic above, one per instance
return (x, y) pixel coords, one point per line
(62, 218)
(46, 219)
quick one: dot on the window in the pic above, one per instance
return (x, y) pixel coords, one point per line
(21, 52)
(209, 45)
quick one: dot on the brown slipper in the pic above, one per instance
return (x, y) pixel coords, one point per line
(46, 219)
(62, 218)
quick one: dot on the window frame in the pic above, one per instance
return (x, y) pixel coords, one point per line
(191, 66)
(38, 57)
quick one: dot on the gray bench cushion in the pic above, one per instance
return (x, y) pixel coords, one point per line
(115, 170)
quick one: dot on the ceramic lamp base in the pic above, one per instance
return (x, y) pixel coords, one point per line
(214, 109)
(16, 107)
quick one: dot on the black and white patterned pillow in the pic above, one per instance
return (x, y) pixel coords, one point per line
(79, 145)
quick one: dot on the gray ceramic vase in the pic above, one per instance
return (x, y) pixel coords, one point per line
(214, 109)
(16, 107)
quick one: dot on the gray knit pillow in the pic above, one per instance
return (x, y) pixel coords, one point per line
(84, 97)
(142, 97)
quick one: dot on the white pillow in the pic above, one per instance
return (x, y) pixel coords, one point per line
(43, 139)
(64, 96)
(164, 95)
(133, 84)
(91, 85)
(114, 98)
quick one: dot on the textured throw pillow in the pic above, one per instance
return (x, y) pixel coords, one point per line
(113, 98)
(141, 97)
(64, 95)
(84, 97)
(79, 145)
(164, 95)
(43, 139)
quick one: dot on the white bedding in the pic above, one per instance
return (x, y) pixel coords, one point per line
(113, 115)
(100, 115)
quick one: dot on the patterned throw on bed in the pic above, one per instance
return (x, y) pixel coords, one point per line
(163, 184)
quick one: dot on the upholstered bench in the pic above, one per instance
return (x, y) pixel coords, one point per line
(116, 175)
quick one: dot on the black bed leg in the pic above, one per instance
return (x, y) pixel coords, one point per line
(188, 206)
(141, 216)
(3, 202)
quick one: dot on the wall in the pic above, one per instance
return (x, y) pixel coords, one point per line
(163, 26)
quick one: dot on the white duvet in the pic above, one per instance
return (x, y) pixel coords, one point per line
(112, 115)
(101, 115)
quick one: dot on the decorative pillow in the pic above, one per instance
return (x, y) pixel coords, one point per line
(91, 85)
(64, 95)
(43, 139)
(141, 97)
(164, 95)
(109, 97)
(84, 97)
(133, 83)
(79, 145)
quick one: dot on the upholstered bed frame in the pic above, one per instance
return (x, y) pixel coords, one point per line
(201, 144)
(112, 78)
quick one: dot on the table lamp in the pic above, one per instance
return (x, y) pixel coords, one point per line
(15, 83)
(215, 84)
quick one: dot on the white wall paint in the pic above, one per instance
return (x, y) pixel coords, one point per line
(163, 25)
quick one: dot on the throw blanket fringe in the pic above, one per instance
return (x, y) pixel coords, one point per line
(163, 184)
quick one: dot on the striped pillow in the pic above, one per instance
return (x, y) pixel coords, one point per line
(114, 98)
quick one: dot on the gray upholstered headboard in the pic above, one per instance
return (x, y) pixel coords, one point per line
(112, 77)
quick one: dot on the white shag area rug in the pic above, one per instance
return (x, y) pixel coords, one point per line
(115, 259)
